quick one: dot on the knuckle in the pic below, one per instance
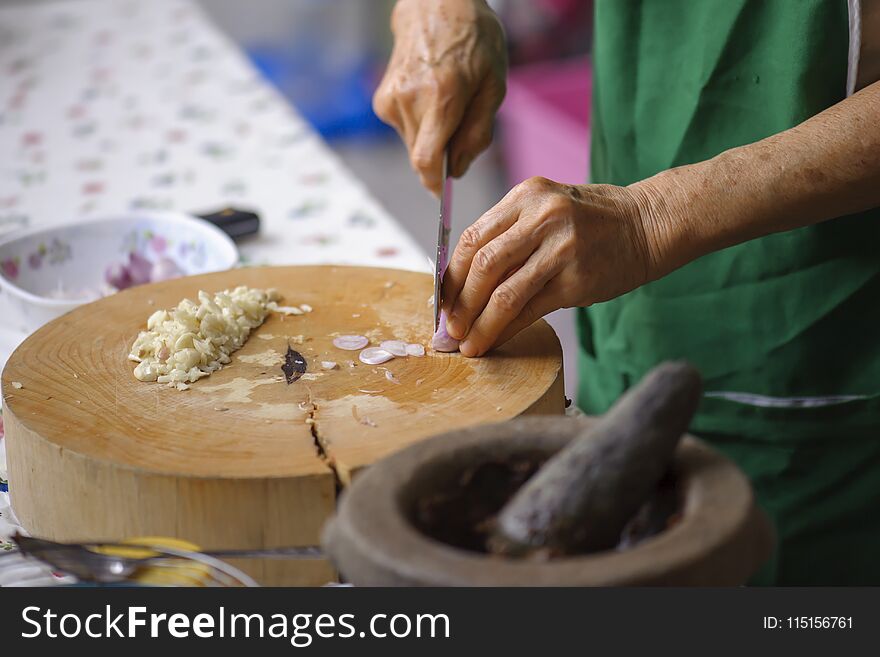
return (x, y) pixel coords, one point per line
(470, 238)
(421, 161)
(506, 299)
(484, 260)
(535, 184)
(382, 103)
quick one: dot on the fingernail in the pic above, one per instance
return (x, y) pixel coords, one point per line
(467, 349)
(454, 327)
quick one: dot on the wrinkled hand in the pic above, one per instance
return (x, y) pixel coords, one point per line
(544, 246)
(444, 82)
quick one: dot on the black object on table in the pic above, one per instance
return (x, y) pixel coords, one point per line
(235, 222)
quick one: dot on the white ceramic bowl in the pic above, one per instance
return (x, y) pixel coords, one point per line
(71, 259)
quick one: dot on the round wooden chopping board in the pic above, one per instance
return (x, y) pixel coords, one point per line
(244, 459)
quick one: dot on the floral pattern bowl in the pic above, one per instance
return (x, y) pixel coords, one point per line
(47, 272)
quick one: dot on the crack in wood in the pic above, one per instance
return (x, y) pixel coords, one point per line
(320, 447)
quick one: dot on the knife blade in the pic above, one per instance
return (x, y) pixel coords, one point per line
(442, 258)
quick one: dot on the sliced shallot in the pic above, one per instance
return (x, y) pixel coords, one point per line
(375, 356)
(328, 365)
(396, 347)
(415, 350)
(391, 377)
(351, 342)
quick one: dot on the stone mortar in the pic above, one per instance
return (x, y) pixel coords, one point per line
(721, 539)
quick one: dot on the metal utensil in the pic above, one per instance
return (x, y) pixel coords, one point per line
(86, 563)
(442, 238)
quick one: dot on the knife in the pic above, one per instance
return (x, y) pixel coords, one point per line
(442, 238)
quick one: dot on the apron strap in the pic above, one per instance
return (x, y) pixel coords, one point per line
(863, 63)
(766, 401)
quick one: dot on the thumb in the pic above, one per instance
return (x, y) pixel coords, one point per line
(543, 303)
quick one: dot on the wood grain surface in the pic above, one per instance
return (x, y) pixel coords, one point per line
(243, 459)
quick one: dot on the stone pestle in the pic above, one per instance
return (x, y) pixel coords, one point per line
(581, 499)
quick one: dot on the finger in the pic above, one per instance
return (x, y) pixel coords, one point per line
(491, 265)
(541, 305)
(511, 299)
(434, 133)
(475, 132)
(490, 225)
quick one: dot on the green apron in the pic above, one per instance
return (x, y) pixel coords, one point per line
(783, 328)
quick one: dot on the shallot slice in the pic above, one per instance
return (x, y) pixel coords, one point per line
(442, 341)
(415, 350)
(328, 365)
(391, 377)
(396, 347)
(351, 342)
(375, 356)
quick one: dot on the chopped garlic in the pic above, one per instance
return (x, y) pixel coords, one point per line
(17, 385)
(287, 310)
(184, 344)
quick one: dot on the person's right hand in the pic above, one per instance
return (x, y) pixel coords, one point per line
(444, 82)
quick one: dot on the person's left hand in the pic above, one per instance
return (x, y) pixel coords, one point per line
(544, 246)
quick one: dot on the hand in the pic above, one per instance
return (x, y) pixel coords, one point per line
(444, 82)
(545, 246)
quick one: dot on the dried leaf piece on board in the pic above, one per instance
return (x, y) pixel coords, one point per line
(294, 365)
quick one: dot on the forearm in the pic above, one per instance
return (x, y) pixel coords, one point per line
(826, 167)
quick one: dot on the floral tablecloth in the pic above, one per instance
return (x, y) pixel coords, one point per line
(119, 105)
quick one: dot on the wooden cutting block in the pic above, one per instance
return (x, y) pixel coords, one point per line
(243, 459)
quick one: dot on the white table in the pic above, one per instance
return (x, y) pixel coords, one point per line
(114, 105)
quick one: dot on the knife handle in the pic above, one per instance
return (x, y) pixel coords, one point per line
(235, 222)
